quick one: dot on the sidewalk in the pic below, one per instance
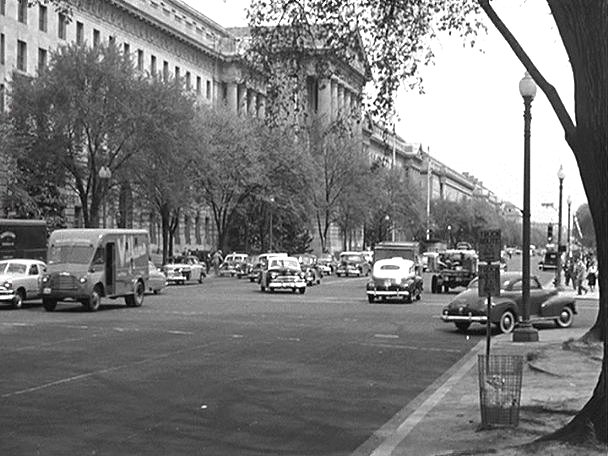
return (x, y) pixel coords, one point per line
(556, 383)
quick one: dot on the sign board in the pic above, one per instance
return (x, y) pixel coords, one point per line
(489, 280)
(489, 246)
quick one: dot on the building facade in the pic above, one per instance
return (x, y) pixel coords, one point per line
(169, 39)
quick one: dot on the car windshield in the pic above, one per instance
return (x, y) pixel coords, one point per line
(503, 283)
(12, 268)
(70, 253)
(284, 263)
(389, 267)
(351, 258)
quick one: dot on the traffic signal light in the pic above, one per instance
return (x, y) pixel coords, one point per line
(550, 233)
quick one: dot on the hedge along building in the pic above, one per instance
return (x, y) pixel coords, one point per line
(170, 39)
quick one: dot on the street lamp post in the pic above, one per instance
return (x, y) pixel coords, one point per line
(525, 332)
(449, 236)
(558, 266)
(569, 201)
(105, 174)
(270, 228)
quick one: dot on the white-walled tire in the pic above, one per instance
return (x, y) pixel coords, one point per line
(506, 322)
(566, 316)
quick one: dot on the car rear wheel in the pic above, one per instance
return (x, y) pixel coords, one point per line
(137, 298)
(49, 304)
(18, 299)
(370, 299)
(462, 325)
(565, 318)
(302, 290)
(506, 322)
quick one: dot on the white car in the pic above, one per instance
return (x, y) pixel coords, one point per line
(20, 280)
(184, 269)
(157, 281)
(394, 278)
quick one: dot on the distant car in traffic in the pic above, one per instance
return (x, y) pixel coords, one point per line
(157, 281)
(283, 273)
(310, 268)
(260, 263)
(394, 278)
(546, 304)
(352, 264)
(327, 264)
(234, 265)
(20, 281)
(184, 269)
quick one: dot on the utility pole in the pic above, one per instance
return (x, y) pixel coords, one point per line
(428, 195)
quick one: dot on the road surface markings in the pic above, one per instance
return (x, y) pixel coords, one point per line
(180, 333)
(412, 347)
(386, 439)
(386, 336)
(74, 378)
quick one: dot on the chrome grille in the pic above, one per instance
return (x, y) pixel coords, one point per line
(63, 282)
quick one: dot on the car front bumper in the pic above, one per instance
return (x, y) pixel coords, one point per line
(389, 293)
(465, 318)
(7, 295)
(286, 284)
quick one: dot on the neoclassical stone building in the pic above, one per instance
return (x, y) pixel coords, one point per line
(170, 39)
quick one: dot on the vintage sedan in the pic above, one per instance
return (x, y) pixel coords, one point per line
(394, 278)
(184, 269)
(234, 265)
(327, 264)
(283, 273)
(20, 281)
(352, 263)
(157, 281)
(310, 268)
(546, 304)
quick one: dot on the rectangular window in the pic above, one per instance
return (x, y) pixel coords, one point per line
(43, 18)
(208, 90)
(112, 40)
(2, 48)
(140, 60)
(79, 33)
(21, 55)
(42, 59)
(2, 7)
(2, 98)
(96, 37)
(198, 85)
(62, 23)
(188, 80)
(176, 72)
(165, 71)
(22, 11)
(126, 49)
(187, 228)
(153, 65)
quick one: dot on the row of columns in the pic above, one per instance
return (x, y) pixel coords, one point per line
(243, 100)
(336, 98)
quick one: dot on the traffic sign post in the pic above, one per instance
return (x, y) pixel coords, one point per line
(489, 275)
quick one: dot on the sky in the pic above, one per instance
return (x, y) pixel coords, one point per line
(470, 116)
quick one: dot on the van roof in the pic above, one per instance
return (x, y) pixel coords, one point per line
(90, 234)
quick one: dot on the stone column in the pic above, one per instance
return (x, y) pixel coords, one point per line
(347, 102)
(261, 106)
(340, 111)
(253, 103)
(324, 100)
(334, 100)
(231, 96)
(242, 108)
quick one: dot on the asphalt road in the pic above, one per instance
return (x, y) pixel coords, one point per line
(220, 369)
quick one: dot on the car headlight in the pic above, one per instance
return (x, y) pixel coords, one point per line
(83, 279)
(8, 284)
(274, 275)
(45, 279)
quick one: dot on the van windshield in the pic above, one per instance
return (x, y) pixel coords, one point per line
(70, 253)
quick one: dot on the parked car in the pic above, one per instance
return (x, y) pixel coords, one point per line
(352, 263)
(157, 281)
(234, 265)
(310, 268)
(20, 281)
(184, 269)
(545, 305)
(394, 278)
(283, 273)
(327, 264)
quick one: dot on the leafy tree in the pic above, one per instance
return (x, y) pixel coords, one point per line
(397, 35)
(227, 164)
(161, 169)
(87, 106)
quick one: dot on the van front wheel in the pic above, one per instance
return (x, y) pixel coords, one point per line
(137, 298)
(92, 304)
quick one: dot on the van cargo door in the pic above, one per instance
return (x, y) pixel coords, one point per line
(110, 271)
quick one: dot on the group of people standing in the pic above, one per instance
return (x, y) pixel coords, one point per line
(580, 271)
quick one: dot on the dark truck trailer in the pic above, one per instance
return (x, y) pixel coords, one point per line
(23, 239)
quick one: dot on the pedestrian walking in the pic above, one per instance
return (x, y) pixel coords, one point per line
(592, 277)
(569, 272)
(580, 273)
(217, 261)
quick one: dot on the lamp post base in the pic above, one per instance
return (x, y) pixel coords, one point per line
(525, 332)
